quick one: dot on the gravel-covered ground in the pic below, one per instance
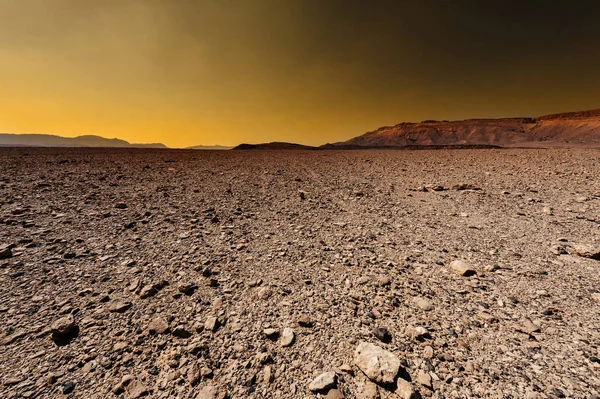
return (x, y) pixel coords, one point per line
(263, 274)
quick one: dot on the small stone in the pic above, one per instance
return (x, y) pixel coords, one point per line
(417, 333)
(263, 358)
(379, 365)
(213, 282)
(334, 394)
(68, 387)
(271, 333)
(158, 325)
(119, 307)
(187, 288)
(587, 251)
(491, 268)
(264, 293)
(211, 324)
(559, 250)
(181, 332)
(137, 389)
(323, 382)
(405, 390)
(486, 317)
(63, 326)
(382, 334)
(428, 352)
(208, 392)
(148, 291)
(384, 280)
(424, 379)
(287, 338)
(370, 391)
(126, 380)
(193, 375)
(268, 376)
(528, 327)
(596, 296)
(462, 268)
(121, 205)
(206, 372)
(217, 303)
(305, 321)
(423, 303)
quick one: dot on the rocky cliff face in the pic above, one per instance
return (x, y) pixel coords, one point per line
(567, 129)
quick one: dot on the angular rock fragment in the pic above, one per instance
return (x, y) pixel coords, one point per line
(211, 324)
(181, 332)
(119, 307)
(382, 334)
(63, 326)
(187, 288)
(137, 389)
(305, 321)
(271, 333)
(405, 390)
(378, 364)
(462, 268)
(528, 327)
(208, 392)
(370, 391)
(423, 303)
(334, 394)
(587, 251)
(158, 325)
(323, 382)
(287, 337)
(424, 379)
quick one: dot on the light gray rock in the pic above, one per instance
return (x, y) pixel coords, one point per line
(378, 364)
(287, 337)
(462, 268)
(323, 382)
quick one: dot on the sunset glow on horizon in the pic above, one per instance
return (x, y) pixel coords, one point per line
(224, 72)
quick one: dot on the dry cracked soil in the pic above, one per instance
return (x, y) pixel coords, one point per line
(299, 274)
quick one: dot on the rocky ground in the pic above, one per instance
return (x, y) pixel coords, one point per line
(290, 274)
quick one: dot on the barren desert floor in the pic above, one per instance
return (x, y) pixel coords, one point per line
(299, 274)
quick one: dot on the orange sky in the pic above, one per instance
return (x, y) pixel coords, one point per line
(223, 72)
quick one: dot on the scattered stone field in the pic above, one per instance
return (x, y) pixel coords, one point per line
(368, 274)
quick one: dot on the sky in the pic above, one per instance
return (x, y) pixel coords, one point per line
(184, 72)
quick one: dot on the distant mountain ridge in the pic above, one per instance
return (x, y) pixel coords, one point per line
(565, 129)
(50, 140)
(209, 147)
(569, 129)
(274, 145)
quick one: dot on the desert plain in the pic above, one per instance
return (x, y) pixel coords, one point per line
(130, 273)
